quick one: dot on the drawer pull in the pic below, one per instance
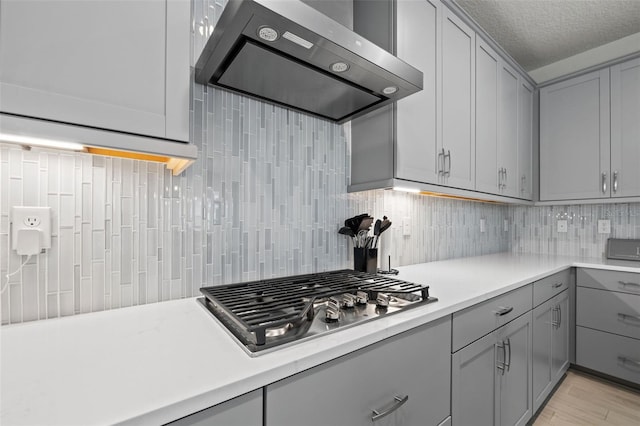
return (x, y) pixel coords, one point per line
(625, 360)
(625, 317)
(503, 310)
(629, 284)
(399, 401)
(557, 285)
(507, 344)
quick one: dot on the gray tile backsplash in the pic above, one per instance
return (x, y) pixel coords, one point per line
(535, 228)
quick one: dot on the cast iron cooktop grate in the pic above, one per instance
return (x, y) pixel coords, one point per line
(257, 306)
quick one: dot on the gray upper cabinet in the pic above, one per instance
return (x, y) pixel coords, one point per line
(245, 410)
(458, 102)
(120, 66)
(574, 138)
(508, 131)
(487, 75)
(525, 140)
(625, 129)
(405, 379)
(417, 147)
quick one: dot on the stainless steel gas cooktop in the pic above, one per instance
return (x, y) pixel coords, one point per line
(262, 315)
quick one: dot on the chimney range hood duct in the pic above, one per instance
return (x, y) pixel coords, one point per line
(287, 53)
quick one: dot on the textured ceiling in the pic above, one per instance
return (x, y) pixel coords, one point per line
(539, 32)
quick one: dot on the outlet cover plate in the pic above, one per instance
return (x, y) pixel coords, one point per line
(604, 226)
(562, 226)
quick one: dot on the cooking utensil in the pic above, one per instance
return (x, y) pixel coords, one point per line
(346, 231)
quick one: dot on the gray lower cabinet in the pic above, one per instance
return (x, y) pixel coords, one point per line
(406, 376)
(491, 377)
(550, 346)
(245, 410)
(608, 323)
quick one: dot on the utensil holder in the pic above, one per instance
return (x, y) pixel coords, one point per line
(365, 260)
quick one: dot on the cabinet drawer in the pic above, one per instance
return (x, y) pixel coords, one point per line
(548, 287)
(415, 364)
(609, 311)
(472, 323)
(607, 353)
(626, 282)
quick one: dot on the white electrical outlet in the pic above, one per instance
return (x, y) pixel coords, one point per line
(30, 229)
(406, 226)
(483, 225)
(562, 226)
(604, 226)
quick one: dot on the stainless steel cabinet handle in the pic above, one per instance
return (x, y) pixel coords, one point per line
(508, 345)
(501, 365)
(615, 182)
(447, 171)
(625, 317)
(399, 401)
(557, 285)
(523, 182)
(506, 177)
(500, 178)
(559, 316)
(441, 163)
(625, 360)
(604, 182)
(628, 284)
(503, 310)
(554, 318)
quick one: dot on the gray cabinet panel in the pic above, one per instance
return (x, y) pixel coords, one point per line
(515, 383)
(508, 130)
(624, 282)
(609, 311)
(487, 67)
(625, 129)
(346, 390)
(525, 140)
(458, 101)
(245, 410)
(574, 138)
(417, 139)
(548, 287)
(617, 356)
(478, 320)
(73, 67)
(475, 383)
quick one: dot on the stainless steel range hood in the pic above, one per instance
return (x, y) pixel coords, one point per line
(287, 53)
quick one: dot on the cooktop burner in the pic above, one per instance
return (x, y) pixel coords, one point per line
(269, 313)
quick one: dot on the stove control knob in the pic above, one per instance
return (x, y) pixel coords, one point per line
(382, 301)
(362, 298)
(348, 300)
(333, 309)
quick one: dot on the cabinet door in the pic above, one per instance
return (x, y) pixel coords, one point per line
(625, 129)
(458, 101)
(574, 138)
(525, 140)
(416, 130)
(97, 63)
(542, 341)
(560, 344)
(508, 130)
(515, 383)
(475, 383)
(345, 391)
(487, 68)
(245, 410)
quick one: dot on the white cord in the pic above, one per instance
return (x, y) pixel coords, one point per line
(4, 287)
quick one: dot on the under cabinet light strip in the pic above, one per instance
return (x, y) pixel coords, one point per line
(47, 143)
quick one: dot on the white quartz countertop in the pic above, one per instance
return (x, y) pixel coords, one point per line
(155, 363)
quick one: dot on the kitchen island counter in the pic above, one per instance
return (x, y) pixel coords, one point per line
(155, 363)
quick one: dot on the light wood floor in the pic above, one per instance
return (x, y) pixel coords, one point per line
(582, 399)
